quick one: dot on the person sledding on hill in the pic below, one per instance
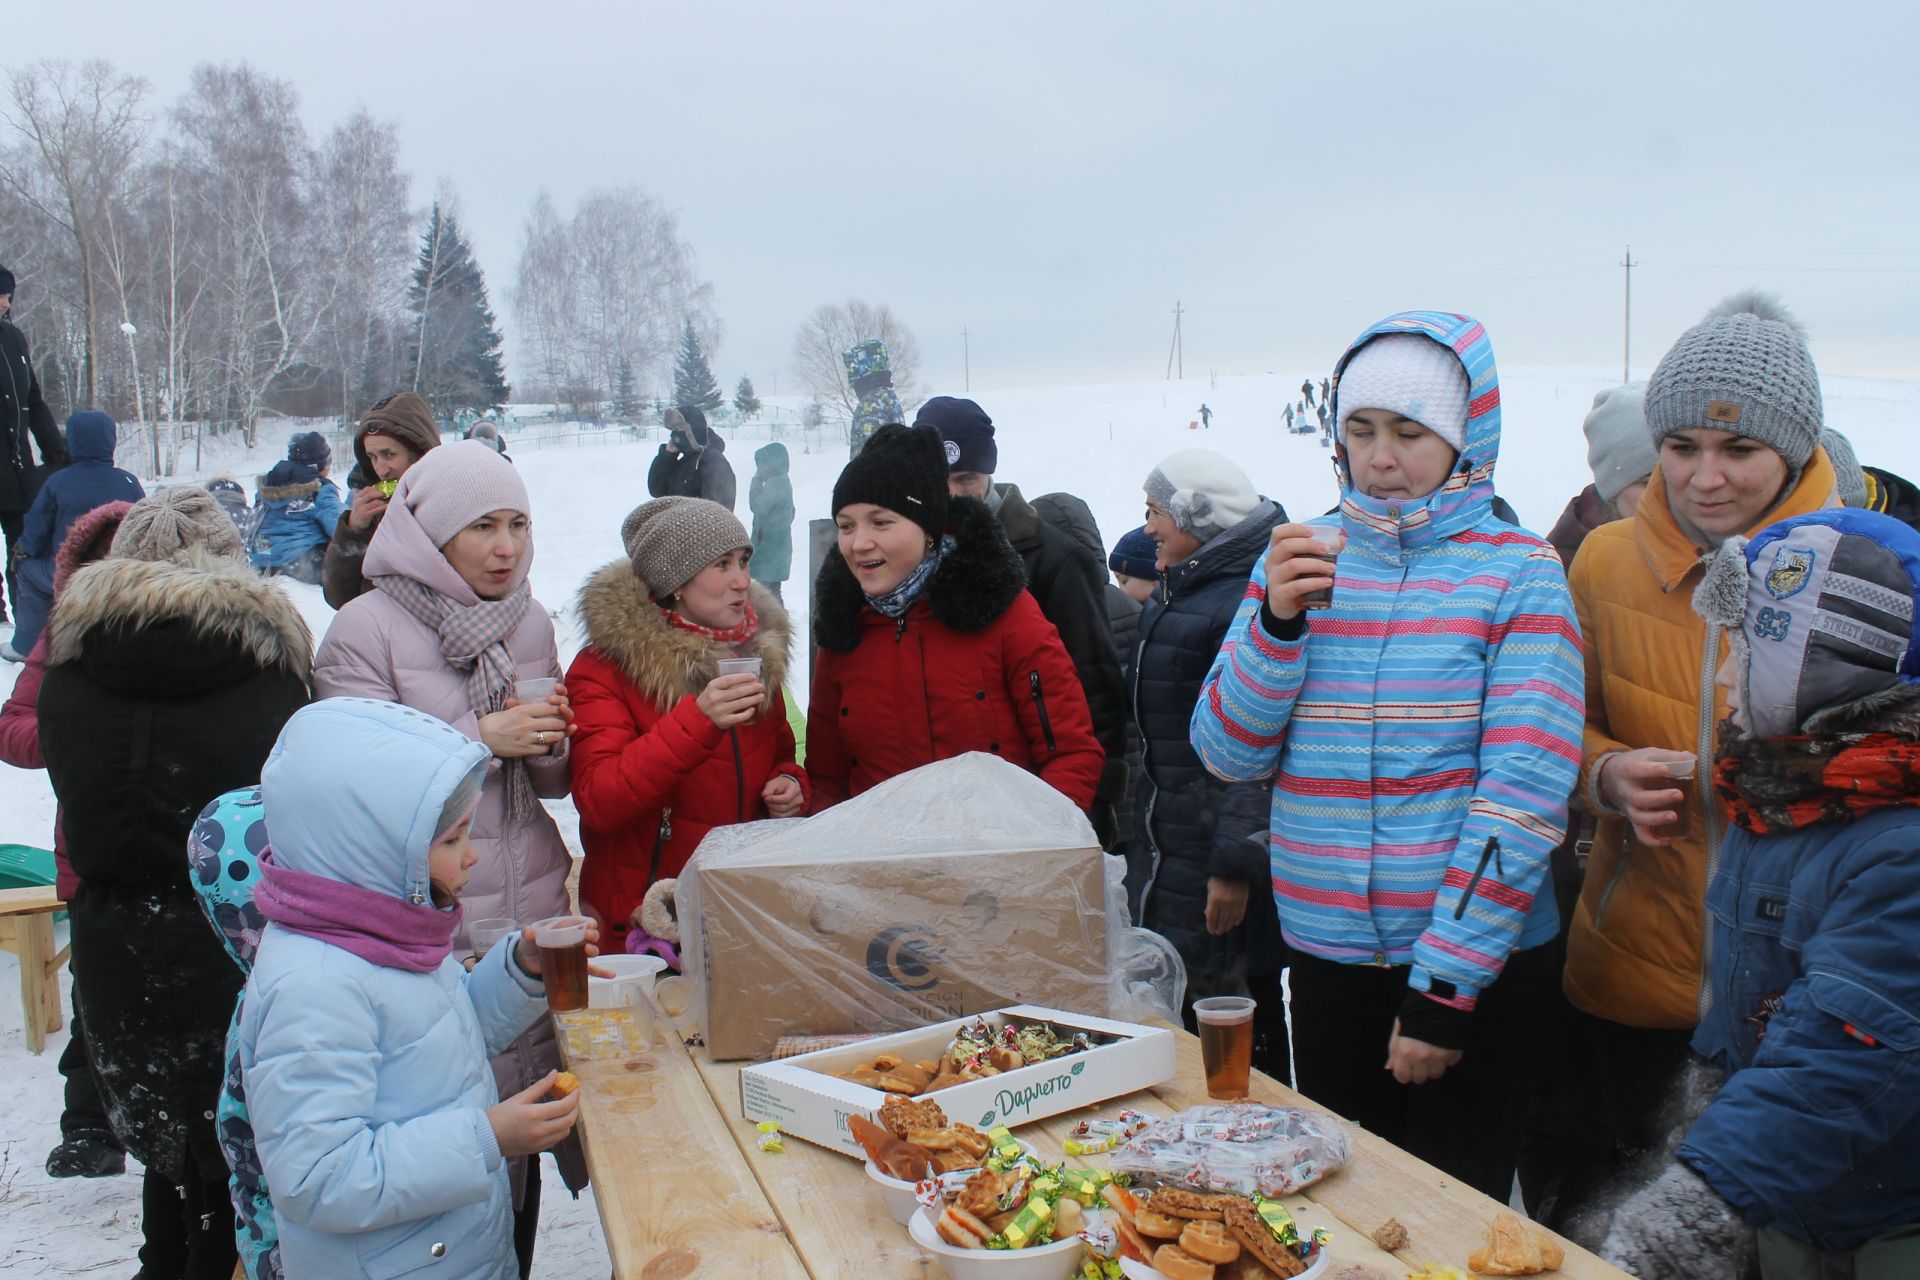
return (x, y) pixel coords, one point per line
(1422, 734)
(1814, 1009)
(299, 510)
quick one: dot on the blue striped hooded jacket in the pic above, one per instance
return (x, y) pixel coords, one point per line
(1423, 734)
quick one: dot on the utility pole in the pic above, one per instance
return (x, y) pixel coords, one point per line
(1176, 352)
(966, 355)
(1626, 341)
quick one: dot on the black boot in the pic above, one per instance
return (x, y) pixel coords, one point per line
(87, 1155)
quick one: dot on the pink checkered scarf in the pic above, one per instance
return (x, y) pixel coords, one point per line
(473, 639)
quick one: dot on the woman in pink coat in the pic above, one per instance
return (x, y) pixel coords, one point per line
(449, 628)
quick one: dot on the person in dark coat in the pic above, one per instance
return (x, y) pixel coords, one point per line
(1066, 512)
(929, 645)
(88, 1147)
(1066, 579)
(1198, 872)
(23, 414)
(91, 481)
(174, 645)
(394, 434)
(693, 462)
(1870, 488)
(770, 499)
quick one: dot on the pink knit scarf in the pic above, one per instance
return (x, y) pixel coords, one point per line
(378, 927)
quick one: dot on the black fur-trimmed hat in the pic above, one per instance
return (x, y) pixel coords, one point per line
(903, 469)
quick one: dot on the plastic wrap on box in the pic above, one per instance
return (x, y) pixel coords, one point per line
(960, 887)
(1238, 1148)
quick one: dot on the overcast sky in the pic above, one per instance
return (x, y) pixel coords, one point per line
(1053, 177)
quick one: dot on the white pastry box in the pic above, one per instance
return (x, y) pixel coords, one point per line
(807, 1100)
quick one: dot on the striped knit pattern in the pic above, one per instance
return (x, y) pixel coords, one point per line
(1424, 734)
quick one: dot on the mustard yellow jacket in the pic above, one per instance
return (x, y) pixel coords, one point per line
(1636, 953)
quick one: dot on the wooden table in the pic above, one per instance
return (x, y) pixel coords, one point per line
(684, 1189)
(26, 929)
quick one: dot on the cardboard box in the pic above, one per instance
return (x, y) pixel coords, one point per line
(806, 1102)
(796, 943)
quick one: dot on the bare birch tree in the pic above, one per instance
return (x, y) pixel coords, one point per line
(834, 329)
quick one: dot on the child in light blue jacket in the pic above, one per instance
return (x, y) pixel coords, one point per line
(362, 1043)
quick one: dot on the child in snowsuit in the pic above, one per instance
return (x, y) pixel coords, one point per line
(299, 509)
(1815, 1014)
(90, 481)
(770, 498)
(362, 1043)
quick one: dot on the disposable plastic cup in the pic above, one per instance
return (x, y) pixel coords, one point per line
(534, 690)
(739, 666)
(630, 974)
(1682, 772)
(563, 961)
(673, 993)
(482, 934)
(1226, 1044)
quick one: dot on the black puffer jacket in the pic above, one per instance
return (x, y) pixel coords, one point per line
(1066, 571)
(1123, 619)
(167, 683)
(698, 470)
(23, 414)
(1189, 825)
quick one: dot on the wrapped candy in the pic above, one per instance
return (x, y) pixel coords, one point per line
(769, 1136)
(1033, 1222)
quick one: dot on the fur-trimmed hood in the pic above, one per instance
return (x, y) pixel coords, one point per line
(219, 604)
(88, 539)
(664, 662)
(308, 489)
(973, 586)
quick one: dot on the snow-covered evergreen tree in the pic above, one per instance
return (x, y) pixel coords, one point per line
(745, 403)
(693, 377)
(454, 350)
(626, 400)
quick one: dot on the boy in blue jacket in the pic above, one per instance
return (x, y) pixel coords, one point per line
(1814, 912)
(90, 480)
(299, 508)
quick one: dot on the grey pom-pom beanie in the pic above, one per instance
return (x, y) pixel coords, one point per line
(1746, 369)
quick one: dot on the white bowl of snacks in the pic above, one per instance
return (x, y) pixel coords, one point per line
(898, 1194)
(1056, 1260)
(1188, 1235)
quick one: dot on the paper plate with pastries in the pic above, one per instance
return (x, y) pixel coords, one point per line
(1141, 1271)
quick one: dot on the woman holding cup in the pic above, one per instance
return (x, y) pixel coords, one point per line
(682, 724)
(450, 630)
(1422, 735)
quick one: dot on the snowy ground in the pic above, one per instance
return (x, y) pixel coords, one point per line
(1098, 442)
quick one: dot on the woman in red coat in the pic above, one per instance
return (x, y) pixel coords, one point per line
(930, 646)
(665, 749)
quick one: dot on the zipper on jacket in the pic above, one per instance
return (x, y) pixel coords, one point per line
(1703, 773)
(739, 778)
(1490, 853)
(1619, 874)
(899, 627)
(659, 842)
(1141, 636)
(1040, 703)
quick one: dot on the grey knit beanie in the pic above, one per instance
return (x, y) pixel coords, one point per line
(669, 540)
(1619, 450)
(1745, 369)
(163, 524)
(1206, 493)
(1849, 479)
(454, 485)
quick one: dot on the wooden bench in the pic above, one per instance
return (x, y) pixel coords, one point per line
(26, 929)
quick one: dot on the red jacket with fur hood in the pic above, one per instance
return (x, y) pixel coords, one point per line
(972, 666)
(651, 773)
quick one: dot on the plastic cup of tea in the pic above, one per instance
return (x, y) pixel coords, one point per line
(1331, 542)
(482, 934)
(739, 666)
(1226, 1044)
(1682, 772)
(562, 941)
(534, 690)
